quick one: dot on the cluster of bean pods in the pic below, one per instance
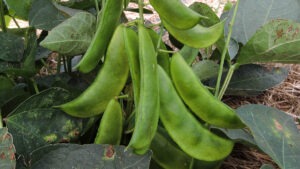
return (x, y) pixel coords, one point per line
(165, 88)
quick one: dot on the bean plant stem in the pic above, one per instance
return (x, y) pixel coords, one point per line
(1, 123)
(65, 64)
(2, 19)
(159, 39)
(58, 64)
(122, 96)
(192, 164)
(36, 89)
(225, 51)
(69, 61)
(97, 6)
(141, 11)
(15, 21)
(227, 80)
(166, 51)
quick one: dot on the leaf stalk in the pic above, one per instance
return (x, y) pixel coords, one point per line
(217, 92)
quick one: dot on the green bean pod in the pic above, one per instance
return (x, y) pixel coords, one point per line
(199, 99)
(111, 125)
(108, 83)
(197, 36)
(147, 114)
(163, 58)
(110, 18)
(184, 128)
(189, 54)
(132, 46)
(167, 155)
(176, 13)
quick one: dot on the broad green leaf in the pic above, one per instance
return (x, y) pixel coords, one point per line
(239, 135)
(206, 10)
(7, 20)
(78, 4)
(6, 66)
(11, 47)
(7, 150)
(45, 99)
(254, 79)
(44, 15)
(206, 69)
(30, 52)
(9, 91)
(267, 166)
(88, 156)
(275, 133)
(57, 80)
(6, 83)
(207, 164)
(73, 36)
(42, 53)
(20, 7)
(233, 47)
(34, 128)
(252, 14)
(21, 32)
(154, 165)
(164, 152)
(278, 41)
(63, 80)
(67, 10)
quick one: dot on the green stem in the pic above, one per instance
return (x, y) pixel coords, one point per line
(65, 64)
(122, 96)
(97, 6)
(131, 23)
(141, 11)
(226, 49)
(151, 25)
(45, 64)
(69, 61)
(210, 88)
(103, 3)
(1, 123)
(15, 21)
(227, 80)
(36, 89)
(2, 19)
(192, 164)
(159, 39)
(58, 64)
(166, 51)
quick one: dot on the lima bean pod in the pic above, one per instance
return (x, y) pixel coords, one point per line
(163, 59)
(176, 13)
(147, 113)
(197, 36)
(111, 125)
(108, 83)
(132, 46)
(198, 98)
(189, 53)
(193, 138)
(110, 18)
(167, 155)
